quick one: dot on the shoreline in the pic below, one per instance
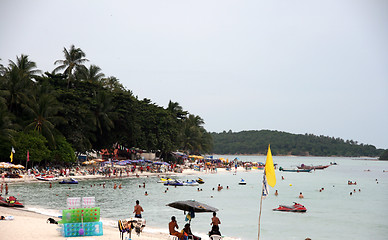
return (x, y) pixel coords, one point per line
(28, 223)
(186, 172)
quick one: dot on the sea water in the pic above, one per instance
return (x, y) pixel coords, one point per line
(331, 214)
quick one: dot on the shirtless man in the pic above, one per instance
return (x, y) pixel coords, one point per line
(301, 195)
(137, 210)
(215, 228)
(215, 220)
(171, 227)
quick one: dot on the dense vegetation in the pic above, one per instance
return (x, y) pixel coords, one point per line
(282, 143)
(384, 155)
(76, 108)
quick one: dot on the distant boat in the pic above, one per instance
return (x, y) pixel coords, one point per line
(320, 167)
(242, 182)
(69, 181)
(294, 170)
(46, 178)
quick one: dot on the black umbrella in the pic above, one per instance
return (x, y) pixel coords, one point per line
(192, 206)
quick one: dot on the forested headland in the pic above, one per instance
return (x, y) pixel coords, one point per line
(51, 115)
(283, 143)
(74, 107)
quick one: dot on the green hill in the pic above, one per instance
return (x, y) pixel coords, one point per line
(283, 143)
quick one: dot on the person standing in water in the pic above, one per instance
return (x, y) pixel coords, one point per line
(137, 210)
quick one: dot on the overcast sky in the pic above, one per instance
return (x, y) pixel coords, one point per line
(317, 67)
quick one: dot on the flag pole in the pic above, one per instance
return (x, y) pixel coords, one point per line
(261, 202)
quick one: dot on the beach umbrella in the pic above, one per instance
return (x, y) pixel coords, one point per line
(192, 206)
(19, 166)
(5, 165)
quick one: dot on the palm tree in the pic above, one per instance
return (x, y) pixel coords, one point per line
(112, 83)
(176, 110)
(74, 58)
(26, 67)
(102, 111)
(18, 82)
(6, 125)
(91, 75)
(43, 107)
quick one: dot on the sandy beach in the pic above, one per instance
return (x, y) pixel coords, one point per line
(30, 225)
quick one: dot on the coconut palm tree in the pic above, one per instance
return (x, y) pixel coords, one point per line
(26, 67)
(74, 58)
(91, 75)
(6, 125)
(112, 83)
(102, 112)
(176, 110)
(42, 108)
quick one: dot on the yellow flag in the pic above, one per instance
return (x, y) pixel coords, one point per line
(269, 169)
(11, 157)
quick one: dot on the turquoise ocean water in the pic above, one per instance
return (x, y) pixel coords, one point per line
(331, 214)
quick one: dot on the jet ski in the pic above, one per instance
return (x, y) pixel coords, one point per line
(10, 202)
(242, 182)
(295, 208)
(164, 180)
(200, 181)
(69, 181)
(174, 183)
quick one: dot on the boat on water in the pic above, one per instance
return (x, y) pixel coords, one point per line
(10, 201)
(181, 183)
(242, 182)
(163, 180)
(200, 181)
(46, 178)
(294, 170)
(297, 207)
(69, 181)
(320, 167)
(174, 183)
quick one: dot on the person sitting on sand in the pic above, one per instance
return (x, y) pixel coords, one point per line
(187, 232)
(171, 227)
(301, 195)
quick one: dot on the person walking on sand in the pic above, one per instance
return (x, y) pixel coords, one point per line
(137, 210)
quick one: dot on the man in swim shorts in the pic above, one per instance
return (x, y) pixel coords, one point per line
(137, 210)
(171, 227)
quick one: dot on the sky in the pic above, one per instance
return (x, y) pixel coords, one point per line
(302, 66)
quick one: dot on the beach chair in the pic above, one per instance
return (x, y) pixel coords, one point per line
(172, 237)
(215, 237)
(124, 227)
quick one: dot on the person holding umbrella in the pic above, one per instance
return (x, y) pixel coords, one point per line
(172, 225)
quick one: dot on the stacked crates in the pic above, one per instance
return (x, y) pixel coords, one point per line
(81, 221)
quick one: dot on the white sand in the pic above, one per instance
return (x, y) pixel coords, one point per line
(30, 225)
